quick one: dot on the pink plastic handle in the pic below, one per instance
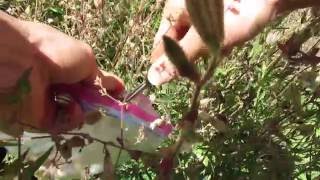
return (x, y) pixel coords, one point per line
(90, 99)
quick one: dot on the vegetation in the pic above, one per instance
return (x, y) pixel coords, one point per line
(258, 115)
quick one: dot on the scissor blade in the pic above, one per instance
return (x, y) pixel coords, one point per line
(137, 91)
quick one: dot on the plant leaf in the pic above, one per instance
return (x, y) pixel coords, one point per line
(56, 10)
(98, 4)
(179, 59)
(14, 99)
(29, 171)
(220, 125)
(76, 141)
(208, 18)
(216, 122)
(135, 154)
(65, 150)
(23, 83)
(306, 130)
(10, 171)
(23, 88)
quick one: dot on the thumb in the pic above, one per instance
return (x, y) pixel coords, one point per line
(112, 83)
(162, 70)
(176, 32)
(68, 112)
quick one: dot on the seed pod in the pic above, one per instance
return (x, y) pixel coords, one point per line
(208, 18)
(179, 59)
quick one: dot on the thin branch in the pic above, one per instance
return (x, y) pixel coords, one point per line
(19, 158)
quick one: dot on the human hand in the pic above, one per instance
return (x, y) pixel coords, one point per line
(55, 58)
(243, 19)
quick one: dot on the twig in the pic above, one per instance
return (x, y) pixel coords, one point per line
(19, 158)
(212, 66)
(87, 136)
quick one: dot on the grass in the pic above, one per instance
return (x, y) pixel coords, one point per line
(260, 96)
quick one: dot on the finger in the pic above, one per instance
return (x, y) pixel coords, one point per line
(163, 70)
(67, 118)
(164, 27)
(74, 62)
(175, 23)
(176, 32)
(112, 83)
(73, 68)
(67, 60)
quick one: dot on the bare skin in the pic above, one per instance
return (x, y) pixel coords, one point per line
(251, 16)
(55, 58)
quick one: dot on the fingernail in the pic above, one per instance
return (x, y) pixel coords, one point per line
(161, 71)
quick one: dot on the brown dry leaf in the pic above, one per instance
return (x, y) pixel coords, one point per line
(98, 4)
(92, 117)
(65, 151)
(220, 125)
(134, 154)
(76, 141)
(216, 122)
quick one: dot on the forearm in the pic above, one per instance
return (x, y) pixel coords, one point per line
(290, 5)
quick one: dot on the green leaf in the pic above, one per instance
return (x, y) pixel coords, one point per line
(23, 87)
(4, 4)
(11, 170)
(294, 95)
(179, 59)
(306, 130)
(29, 171)
(23, 83)
(56, 10)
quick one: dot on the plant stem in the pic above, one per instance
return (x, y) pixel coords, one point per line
(19, 158)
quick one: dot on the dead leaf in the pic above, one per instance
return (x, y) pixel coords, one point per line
(99, 4)
(92, 117)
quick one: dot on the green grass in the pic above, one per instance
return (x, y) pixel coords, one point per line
(273, 130)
